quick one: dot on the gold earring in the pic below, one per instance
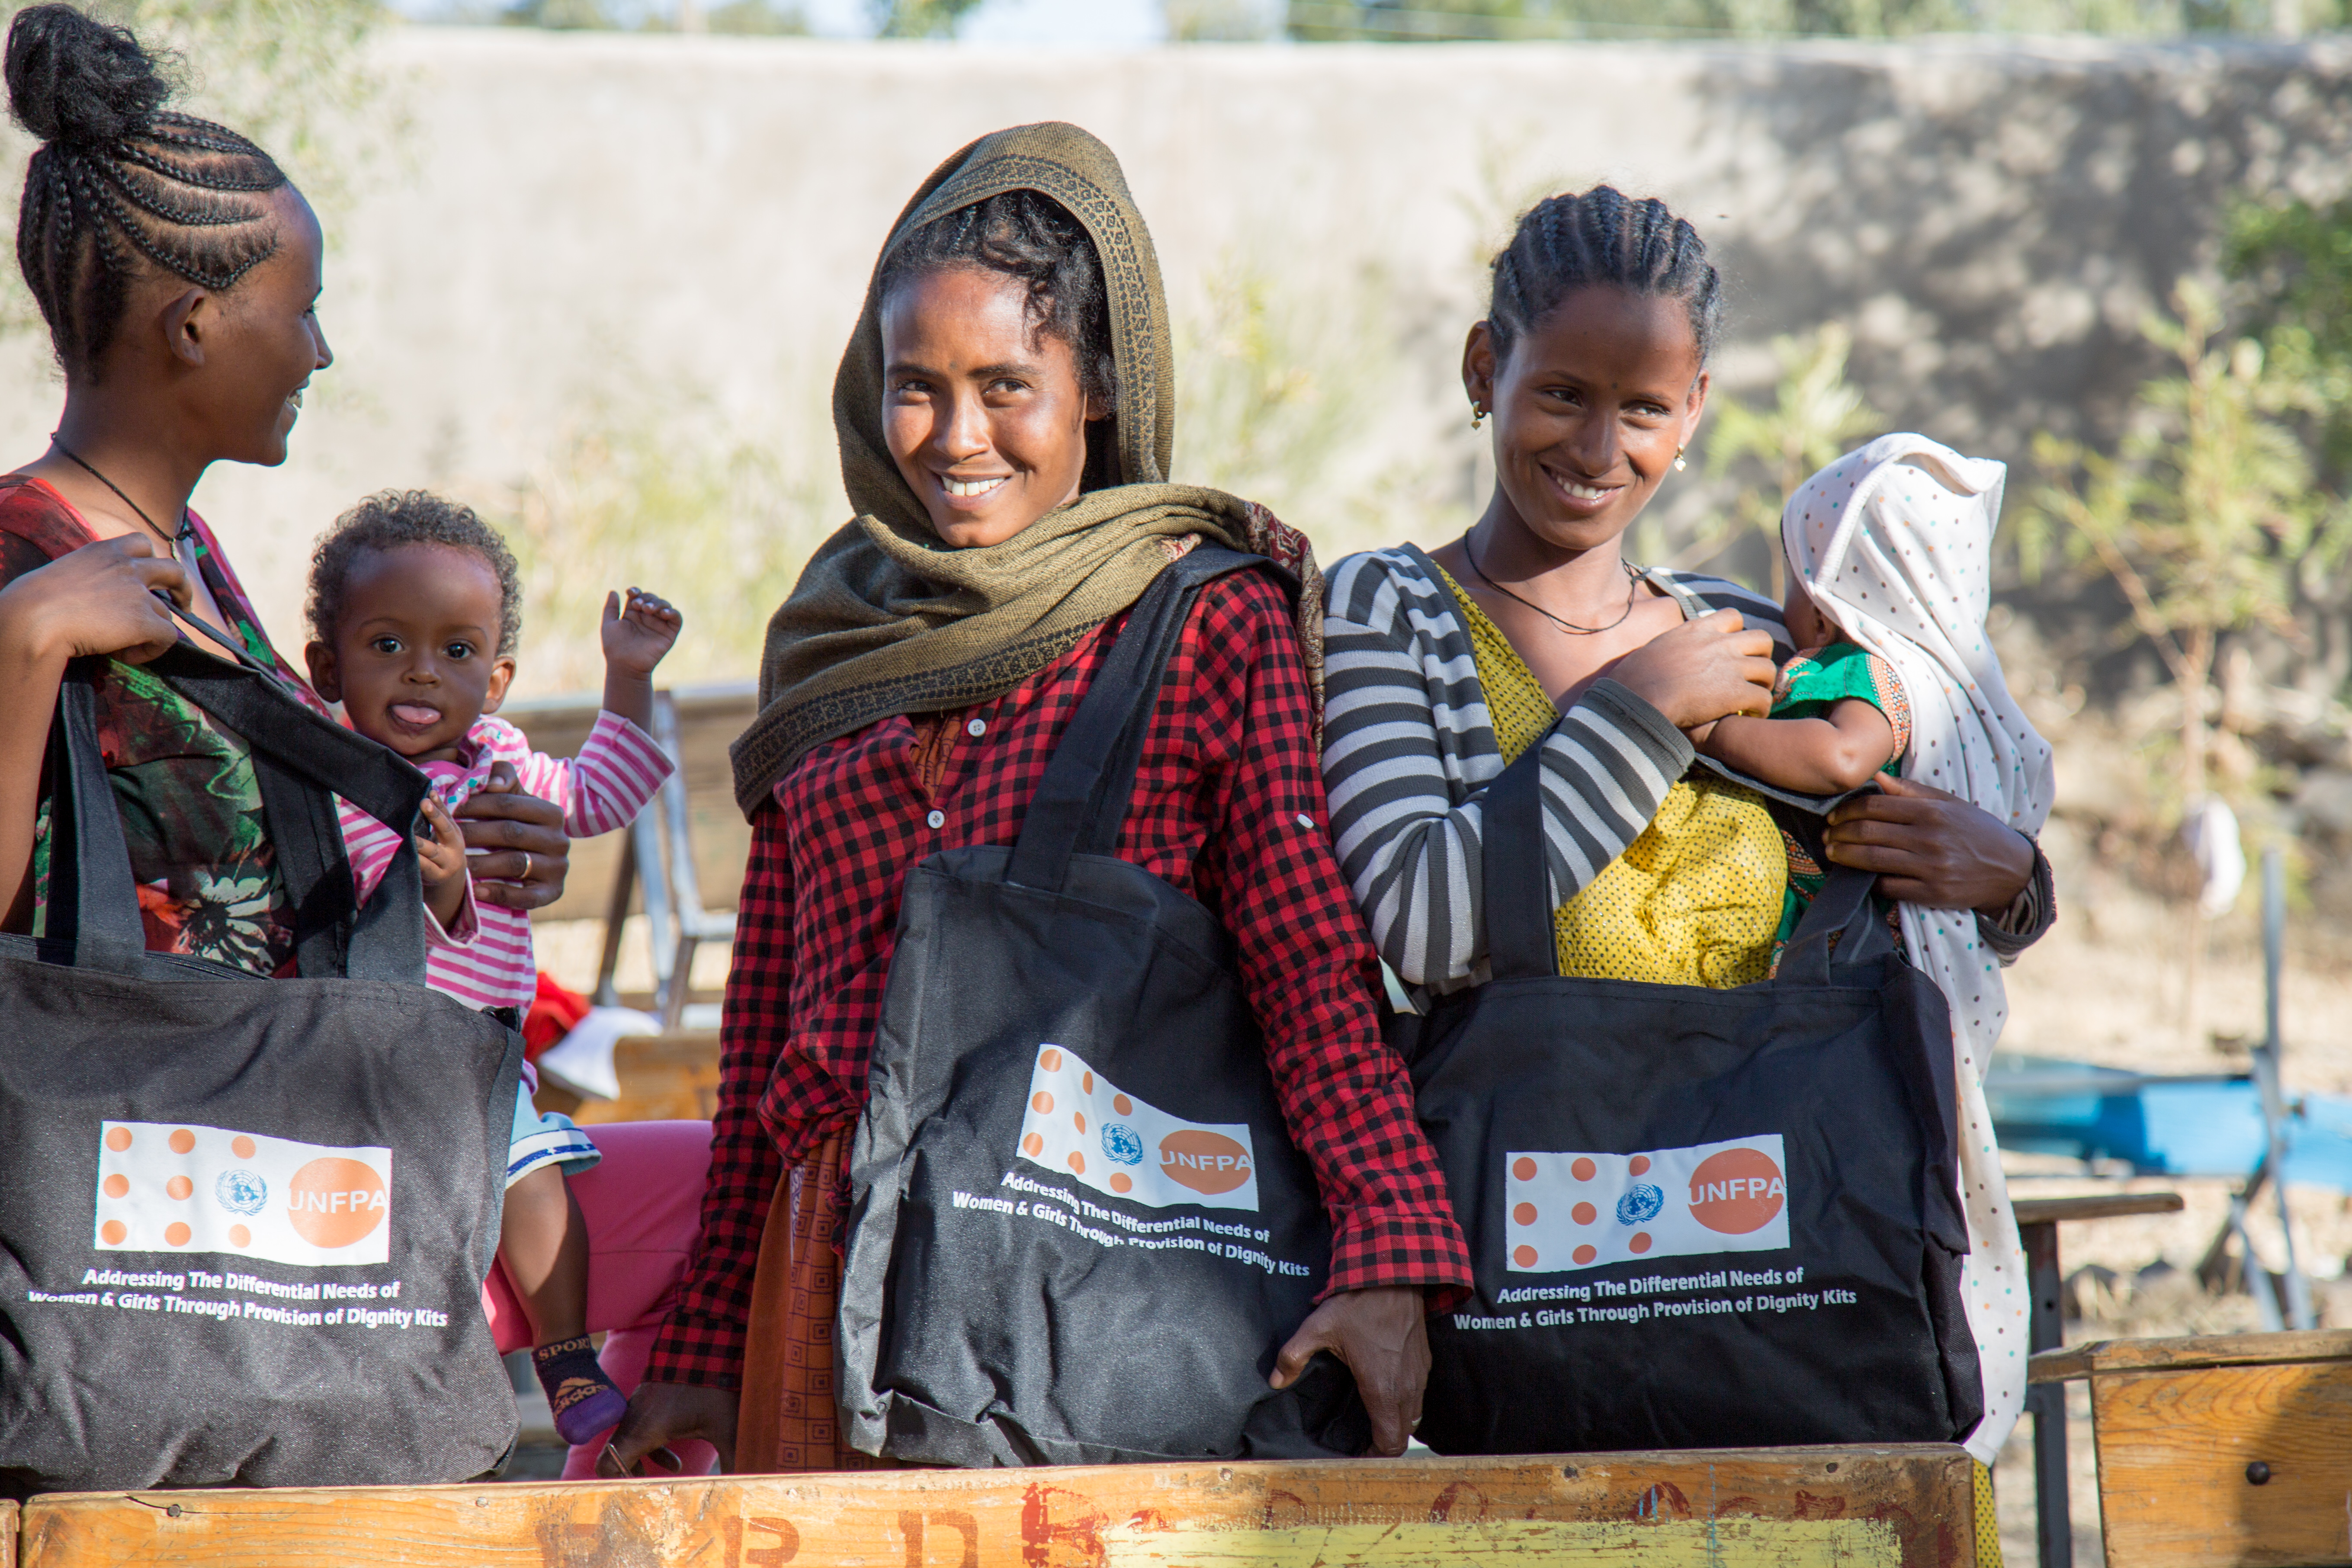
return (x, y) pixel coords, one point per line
(1477, 415)
(1679, 464)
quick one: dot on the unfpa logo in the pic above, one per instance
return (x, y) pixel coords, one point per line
(1737, 1191)
(168, 1187)
(1080, 1124)
(333, 1203)
(1731, 1196)
(1203, 1161)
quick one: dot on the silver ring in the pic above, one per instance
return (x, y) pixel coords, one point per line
(526, 864)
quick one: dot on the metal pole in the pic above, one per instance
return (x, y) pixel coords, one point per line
(2053, 1522)
(2298, 1310)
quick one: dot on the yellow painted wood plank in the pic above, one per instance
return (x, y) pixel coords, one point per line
(1730, 1543)
(1919, 1497)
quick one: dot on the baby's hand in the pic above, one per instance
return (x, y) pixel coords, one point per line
(636, 634)
(441, 857)
(440, 848)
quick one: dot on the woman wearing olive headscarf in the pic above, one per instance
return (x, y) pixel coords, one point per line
(1006, 413)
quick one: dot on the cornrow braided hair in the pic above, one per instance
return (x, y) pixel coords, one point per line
(120, 180)
(1569, 242)
(1028, 236)
(391, 519)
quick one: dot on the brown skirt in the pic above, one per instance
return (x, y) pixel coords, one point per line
(789, 1419)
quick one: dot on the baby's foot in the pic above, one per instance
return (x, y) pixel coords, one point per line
(585, 1402)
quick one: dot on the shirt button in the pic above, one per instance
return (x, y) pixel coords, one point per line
(937, 819)
(976, 728)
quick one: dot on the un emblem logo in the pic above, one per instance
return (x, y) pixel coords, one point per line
(1642, 1202)
(1120, 1143)
(241, 1191)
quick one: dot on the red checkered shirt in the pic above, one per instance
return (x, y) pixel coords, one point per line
(1228, 806)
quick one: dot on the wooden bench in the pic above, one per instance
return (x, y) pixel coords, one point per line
(2227, 1451)
(2038, 1220)
(1782, 1507)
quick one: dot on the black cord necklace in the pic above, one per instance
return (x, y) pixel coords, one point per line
(1632, 588)
(170, 541)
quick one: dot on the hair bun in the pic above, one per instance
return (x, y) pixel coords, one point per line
(75, 81)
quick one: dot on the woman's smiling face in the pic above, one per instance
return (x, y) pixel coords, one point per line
(1590, 407)
(984, 414)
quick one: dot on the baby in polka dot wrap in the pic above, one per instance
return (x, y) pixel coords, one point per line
(1889, 550)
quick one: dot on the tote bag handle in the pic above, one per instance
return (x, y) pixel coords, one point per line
(1081, 803)
(301, 761)
(1518, 917)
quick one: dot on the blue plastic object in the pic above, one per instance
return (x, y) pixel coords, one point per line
(2163, 1126)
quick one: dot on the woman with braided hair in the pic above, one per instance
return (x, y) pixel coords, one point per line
(1592, 363)
(178, 270)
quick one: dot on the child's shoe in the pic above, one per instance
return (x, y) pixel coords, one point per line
(584, 1401)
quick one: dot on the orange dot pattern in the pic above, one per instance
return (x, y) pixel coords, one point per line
(242, 1147)
(177, 1233)
(118, 1185)
(1524, 1169)
(182, 1142)
(239, 1237)
(118, 1138)
(1584, 1213)
(113, 1231)
(1524, 1214)
(180, 1187)
(1524, 1257)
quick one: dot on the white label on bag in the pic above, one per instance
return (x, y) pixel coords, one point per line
(1568, 1211)
(169, 1186)
(1080, 1123)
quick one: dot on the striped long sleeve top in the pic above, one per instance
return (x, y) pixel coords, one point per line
(617, 771)
(1409, 749)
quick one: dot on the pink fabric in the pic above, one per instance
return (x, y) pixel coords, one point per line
(643, 1205)
(617, 771)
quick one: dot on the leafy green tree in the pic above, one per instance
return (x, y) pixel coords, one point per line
(1427, 20)
(917, 18)
(2292, 263)
(1816, 415)
(2205, 515)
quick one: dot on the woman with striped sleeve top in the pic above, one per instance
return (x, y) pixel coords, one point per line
(1532, 628)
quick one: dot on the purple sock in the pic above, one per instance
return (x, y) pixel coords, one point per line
(584, 1400)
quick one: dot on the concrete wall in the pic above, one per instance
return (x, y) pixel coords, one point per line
(679, 229)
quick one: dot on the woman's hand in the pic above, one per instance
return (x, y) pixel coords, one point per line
(1933, 849)
(98, 599)
(530, 855)
(1383, 1334)
(661, 1414)
(1702, 670)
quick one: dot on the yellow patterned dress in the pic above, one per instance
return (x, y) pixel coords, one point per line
(1694, 901)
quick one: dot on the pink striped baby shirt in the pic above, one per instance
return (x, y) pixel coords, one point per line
(617, 771)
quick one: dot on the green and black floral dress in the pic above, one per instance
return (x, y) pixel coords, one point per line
(191, 803)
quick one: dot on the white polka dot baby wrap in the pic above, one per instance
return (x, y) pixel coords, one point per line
(1894, 542)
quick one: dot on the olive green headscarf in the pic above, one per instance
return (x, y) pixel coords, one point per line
(886, 619)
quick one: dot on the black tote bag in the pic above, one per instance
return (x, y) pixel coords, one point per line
(1697, 1218)
(243, 1223)
(1078, 1230)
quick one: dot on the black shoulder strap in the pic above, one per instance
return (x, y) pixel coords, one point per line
(1082, 801)
(1511, 859)
(301, 760)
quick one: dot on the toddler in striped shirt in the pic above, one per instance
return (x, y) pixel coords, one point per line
(414, 613)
